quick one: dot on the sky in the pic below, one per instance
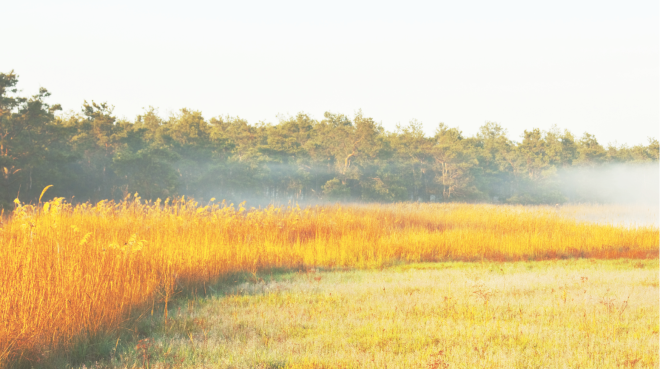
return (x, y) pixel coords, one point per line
(586, 66)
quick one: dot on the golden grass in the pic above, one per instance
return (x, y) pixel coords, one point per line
(72, 271)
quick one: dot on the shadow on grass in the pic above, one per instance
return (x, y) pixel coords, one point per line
(138, 330)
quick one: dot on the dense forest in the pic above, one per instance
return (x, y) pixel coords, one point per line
(93, 155)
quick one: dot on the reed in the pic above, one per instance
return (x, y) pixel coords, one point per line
(71, 271)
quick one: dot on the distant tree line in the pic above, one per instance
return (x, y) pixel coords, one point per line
(93, 155)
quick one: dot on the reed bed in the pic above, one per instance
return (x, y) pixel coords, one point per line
(79, 271)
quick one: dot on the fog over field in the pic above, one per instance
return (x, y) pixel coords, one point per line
(613, 184)
(621, 193)
(612, 193)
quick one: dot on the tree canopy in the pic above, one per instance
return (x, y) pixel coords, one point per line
(93, 155)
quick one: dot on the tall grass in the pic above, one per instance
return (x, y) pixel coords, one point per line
(70, 271)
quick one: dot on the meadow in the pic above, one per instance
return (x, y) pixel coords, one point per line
(73, 276)
(575, 313)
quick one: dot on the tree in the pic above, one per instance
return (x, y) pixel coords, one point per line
(415, 153)
(146, 168)
(24, 133)
(590, 152)
(96, 140)
(454, 158)
(497, 167)
(92, 155)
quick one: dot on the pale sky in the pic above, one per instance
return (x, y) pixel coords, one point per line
(583, 65)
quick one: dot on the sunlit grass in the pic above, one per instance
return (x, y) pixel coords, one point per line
(70, 273)
(547, 314)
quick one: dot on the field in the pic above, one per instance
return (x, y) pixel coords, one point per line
(539, 314)
(505, 288)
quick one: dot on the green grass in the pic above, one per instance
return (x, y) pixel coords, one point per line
(546, 314)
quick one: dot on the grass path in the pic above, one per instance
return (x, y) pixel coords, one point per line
(547, 314)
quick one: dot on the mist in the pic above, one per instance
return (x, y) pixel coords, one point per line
(624, 184)
(624, 194)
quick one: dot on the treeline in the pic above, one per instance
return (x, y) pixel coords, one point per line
(93, 155)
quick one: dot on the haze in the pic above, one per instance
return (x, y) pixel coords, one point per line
(586, 66)
(633, 187)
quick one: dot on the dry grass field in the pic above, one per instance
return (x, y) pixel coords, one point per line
(73, 276)
(583, 313)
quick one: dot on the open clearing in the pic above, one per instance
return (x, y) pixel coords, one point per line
(575, 313)
(504, 286)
